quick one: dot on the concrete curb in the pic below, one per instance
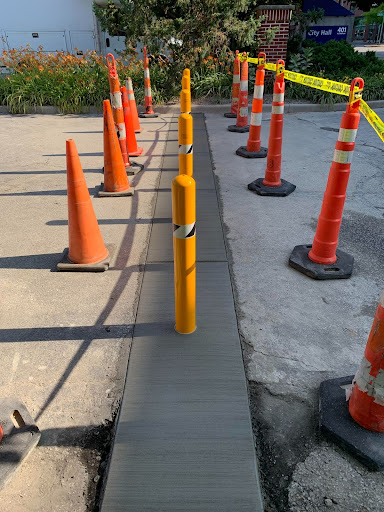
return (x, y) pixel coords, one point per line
(289, 108)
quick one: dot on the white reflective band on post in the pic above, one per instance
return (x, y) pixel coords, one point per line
(256, 119)
(131, 96)
(278, 98)
(244, 112)
(244, 85)
(258, 92)
(367, 383)
(235, 100)
(146, 73)
(347, 135)
(277, 109)
(147, 91)
(121, 133)
(116, 100)
(186, 231)
(342, 157)
(185, 149)
(236, 79)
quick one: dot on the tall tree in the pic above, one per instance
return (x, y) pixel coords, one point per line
(189, 30)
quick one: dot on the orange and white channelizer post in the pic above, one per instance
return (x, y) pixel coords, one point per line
(132, 147)
(272, 184)
(235, 87)
(147, 89)
(253, 148)
(132, 104)
(322, 259)
(117, 107)
(241, 125)
(366, 402)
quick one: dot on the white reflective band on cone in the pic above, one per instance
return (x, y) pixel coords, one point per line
(121, 131)
(256, 119)
(185, 149)
(146, 73)
(116, 100)
(367, 383)
(244, 112)
(342, 157)
(258, 92)
(147, 91)
(185, 231)
(236, 79)
(278, 98)
(131, 96)
(235, 100)
(277, 109)
(244, 85)
(347, 135)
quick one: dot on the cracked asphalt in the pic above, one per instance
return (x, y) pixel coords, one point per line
(297, 332)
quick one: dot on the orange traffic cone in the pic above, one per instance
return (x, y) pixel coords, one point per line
(322, 259)
(235, 87)
(272, 184)
(253, 148)
(357, 426)
(115, 177)
(147, 89)
(87, 251)
(241, 125)
(133, 149)
(132, 104)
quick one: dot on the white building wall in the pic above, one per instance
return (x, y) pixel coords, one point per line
(53, 24)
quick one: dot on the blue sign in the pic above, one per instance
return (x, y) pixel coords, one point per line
(324, 34)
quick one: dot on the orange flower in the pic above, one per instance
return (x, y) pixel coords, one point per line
(40, 68)
(27, 77)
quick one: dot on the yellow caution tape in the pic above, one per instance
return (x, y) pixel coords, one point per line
(329, 86)
(373, 119)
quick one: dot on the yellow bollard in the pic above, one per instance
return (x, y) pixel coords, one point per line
(187, 72)
(185, 101)
(186, 144)
(186, 83)
(184, 251)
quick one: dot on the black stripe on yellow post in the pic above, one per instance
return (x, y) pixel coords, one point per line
(184, 251)
(186, 144)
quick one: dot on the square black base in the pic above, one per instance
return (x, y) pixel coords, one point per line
(341, 269)
(238, 129)
(242, 151)
(103, 193)
(284, 190)
(65, 265)
(134, 168)
(230, 115)
(148, 115)
(339, 426)
(21, 435)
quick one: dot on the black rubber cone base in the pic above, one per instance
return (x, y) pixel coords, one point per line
(134, 168)
(337, 424)
(148, 115)
(230, 115)
(21, 435)
(284, 190)
(242, 151)
(65, 265)
(104, 193)
(342, 269)
(238, 129)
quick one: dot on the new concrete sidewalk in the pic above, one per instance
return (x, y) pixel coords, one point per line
(184, 439)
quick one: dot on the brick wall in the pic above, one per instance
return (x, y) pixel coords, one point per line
(275, 16)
